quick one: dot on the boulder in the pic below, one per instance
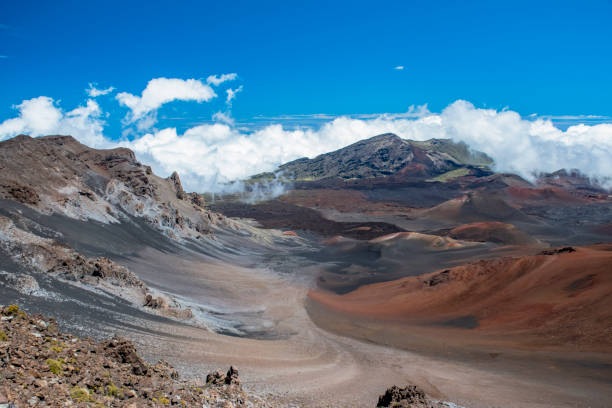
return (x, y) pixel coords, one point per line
(218, 378)
(409, 396)
(123, 351)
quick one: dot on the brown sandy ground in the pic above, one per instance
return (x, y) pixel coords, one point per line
(551, 300)
(546, 319)
(312, 367)
(492, 231)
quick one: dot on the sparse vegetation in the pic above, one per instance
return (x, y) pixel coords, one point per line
(57, 349)
(114, 391)
(56, 366)
(453, 174)
(114, 372)
(11, 310)
(80, 394)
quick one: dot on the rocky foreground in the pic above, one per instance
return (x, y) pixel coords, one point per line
(41, 367)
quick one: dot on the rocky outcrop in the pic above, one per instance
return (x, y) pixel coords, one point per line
(14, 191)
(110, 186)
(22, 283)
(80, 267)
(176, 181)
(124, 352)
(410, 396)
(154, 302)
(41, 367)
(564, 250)
(218, 378)
(438, 278)
(47, 256)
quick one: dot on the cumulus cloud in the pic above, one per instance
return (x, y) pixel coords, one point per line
(399, 67)
(94, 92)
(209, 155)
(160, 91)
(218, 80)
(214, 153)
(530, 147)
(231, 94)
(41, 116)
(219, 152)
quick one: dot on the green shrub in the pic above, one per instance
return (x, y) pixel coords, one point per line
(80, 394)
(3, 336)
(114, 391)
(11, 310)
(56, 366)
(57, 349)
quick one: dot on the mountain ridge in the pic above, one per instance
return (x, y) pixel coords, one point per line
(68, 177)
(384, 155)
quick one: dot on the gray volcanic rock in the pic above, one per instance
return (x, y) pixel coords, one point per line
(88, 191)
(178, 186)
(59, 175)
(410, 396)
(384, 155)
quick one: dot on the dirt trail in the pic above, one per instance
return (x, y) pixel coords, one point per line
(308, 366)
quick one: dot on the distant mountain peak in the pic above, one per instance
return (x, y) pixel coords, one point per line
(384, 155)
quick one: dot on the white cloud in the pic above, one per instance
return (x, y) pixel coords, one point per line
(530, 147)
(231, 94)
(163, 90)
(94, 92)
(399, 67)
(218, 80)
(207, 154)
(40, 116)
(223, 117)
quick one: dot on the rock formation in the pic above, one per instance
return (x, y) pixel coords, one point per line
(66, 177)
(39, 366)
(47, 256)
(410, 396)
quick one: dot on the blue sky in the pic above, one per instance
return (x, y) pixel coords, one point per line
(516, 80)
(552, 58)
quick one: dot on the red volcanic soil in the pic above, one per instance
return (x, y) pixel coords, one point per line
(497, 232)
(559, 300)
(475, 207)
(426, 240)
(547, 194)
